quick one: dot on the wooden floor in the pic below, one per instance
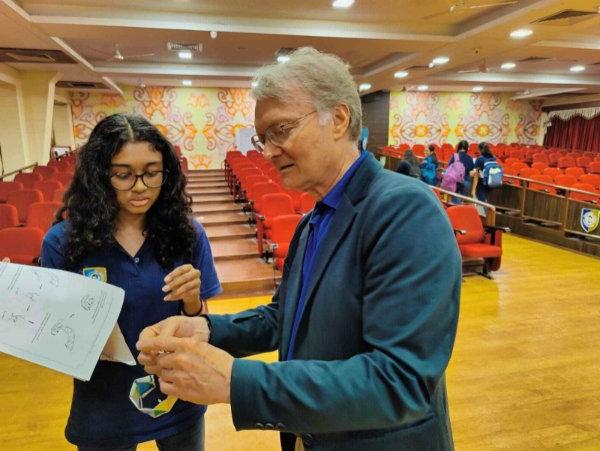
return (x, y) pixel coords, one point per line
(525, 373)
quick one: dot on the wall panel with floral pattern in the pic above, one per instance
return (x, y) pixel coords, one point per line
(431, 117)
(202, 121)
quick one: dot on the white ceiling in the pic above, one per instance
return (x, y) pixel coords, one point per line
(377, 37)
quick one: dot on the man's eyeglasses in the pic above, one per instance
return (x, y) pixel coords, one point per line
(277, 134)
(124, 181)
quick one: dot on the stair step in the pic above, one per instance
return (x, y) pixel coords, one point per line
(234, 249)
(206, 179)
(222, 218)
(211, 198)
(251, 275)
(228, 231)
(202, 191)
(192, 185)
(198, 208)
(206, 171)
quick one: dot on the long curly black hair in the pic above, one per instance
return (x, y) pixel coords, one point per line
(90, 202)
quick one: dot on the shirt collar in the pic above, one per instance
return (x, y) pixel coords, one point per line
(333, 198)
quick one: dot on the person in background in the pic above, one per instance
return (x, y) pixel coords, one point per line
(129, 224)
(485, 155)
(363, 334)
(409, 165)
(429, 166)
(461, 150)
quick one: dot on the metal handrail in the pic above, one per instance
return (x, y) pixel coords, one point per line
(18, 170)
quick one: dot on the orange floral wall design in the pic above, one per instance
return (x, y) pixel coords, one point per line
(424, 118)
(201, 121)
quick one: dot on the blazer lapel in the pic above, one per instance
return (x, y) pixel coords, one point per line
(292, 294)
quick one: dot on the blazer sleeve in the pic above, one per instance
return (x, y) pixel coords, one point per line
(412, 276)
(255, 330)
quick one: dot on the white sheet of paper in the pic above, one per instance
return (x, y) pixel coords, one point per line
(55, 318)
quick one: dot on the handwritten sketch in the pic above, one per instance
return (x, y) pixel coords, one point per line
(56, 318)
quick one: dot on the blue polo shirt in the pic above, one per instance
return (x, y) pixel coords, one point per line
(319, 225)
(101, 412)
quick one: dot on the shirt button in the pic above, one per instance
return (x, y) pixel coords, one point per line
(136, 260)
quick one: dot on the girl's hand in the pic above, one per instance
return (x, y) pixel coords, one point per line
(183, 283)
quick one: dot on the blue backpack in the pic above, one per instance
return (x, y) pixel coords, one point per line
(492, 174)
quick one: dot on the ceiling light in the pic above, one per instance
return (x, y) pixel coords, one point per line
(401, 74)
(422, 87)
(185, 54)
(186, 82)
(521, 33)
(214, 34)
(577, 68)
(477, 88)
(342, 3)
(439, 60)
(508, 65)
(283, 59)
(364, 86)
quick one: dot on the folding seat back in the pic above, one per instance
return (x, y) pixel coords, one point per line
(575, 172)
(64, 166)
(529, 153)
(574, 155)
(540, 187)
(295, 195)
(509, 180)
(592, 179)
(539, 165)
(527, 172)
(448, 152)
(259, 190)
(510, 161)
(27, 179)
(552, 172)
(583, 162)
(307, 202)
(254, 154)
(47, 187)
(518, 166)
(553, 158)
(9, 216)
(8, 187)
(466, 219)
(45, 171)
(517, 153)
(282, 231)
(23, 199)
(590, 155)
(273, 205)
(42, 214)
(183, 162)
(419, 150)
(22, 245)
(64, 178)
(594, 167)
(565, 180)
(566, 162)
(58, 195)
(250, 182)
(591, 195)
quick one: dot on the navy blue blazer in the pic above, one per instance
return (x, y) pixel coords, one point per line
(376, 332)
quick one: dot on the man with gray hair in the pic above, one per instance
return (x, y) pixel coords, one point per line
(365, 317)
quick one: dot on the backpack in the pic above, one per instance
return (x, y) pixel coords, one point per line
(454, 174)
(429, 172)
(492, 174)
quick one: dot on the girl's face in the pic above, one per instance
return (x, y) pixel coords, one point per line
(136, 174)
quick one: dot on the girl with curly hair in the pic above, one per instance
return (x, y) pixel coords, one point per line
(129, 224)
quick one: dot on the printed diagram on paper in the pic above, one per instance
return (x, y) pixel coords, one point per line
(56, 318)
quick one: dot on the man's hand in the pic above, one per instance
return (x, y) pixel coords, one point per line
(190, 369)
(175, 326)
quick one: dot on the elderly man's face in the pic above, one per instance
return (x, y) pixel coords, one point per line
(306, 155)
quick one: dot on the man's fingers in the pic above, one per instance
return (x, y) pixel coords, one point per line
(168, 388)
(162, 343)
(6, 260)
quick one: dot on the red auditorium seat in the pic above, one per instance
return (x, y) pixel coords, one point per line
(281, 234)
(8, 187)
(592, 179)
(539, 187)
(509, 180)
(47, 187)
(552, 172)
(42, 214)
(574, 155)
(9, 216)
(575, 172)
(594, 167)
(273, 205)
(64, 178)
(540, 166)
(583, 162)
(23, 199)
(565, 180)
(21, 244)
(27, 179)
(553, 158)
(583, 196)
(259, 190)
(58, 195)
(45, 171)
(475, 241)
(527, 172)
(183, 162)
(566, 162)
(307, 203)
(419, 150)
(540, 157)
(510, 161)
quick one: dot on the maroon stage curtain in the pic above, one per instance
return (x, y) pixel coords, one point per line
(576, 133)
